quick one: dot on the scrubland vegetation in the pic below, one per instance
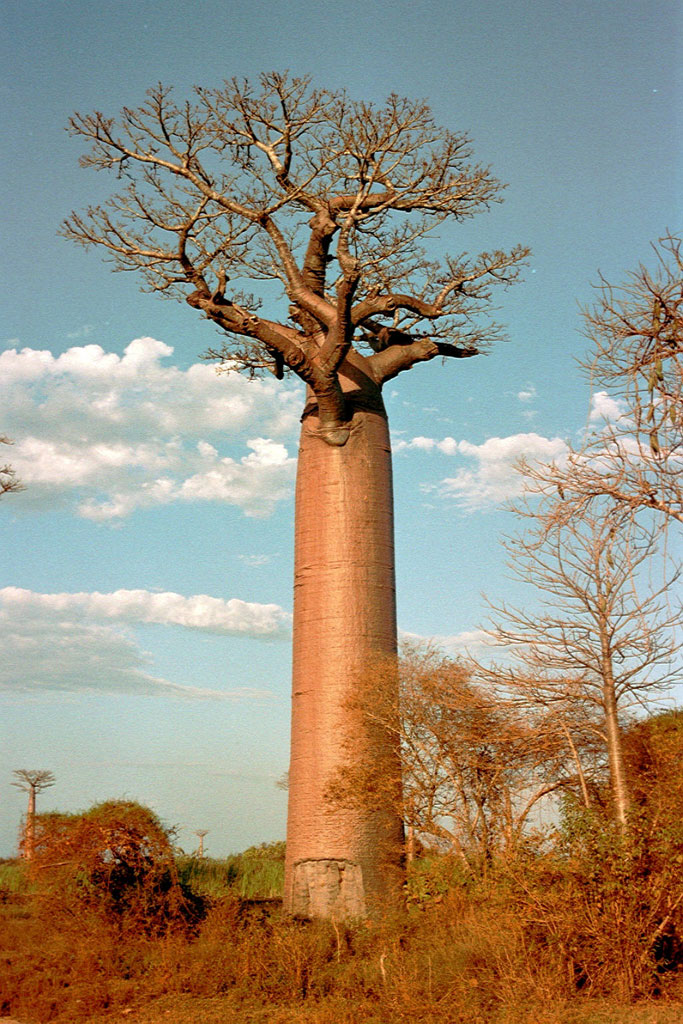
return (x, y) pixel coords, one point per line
(502, 920)
(581, 922)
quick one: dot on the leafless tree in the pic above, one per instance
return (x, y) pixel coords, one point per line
(329, 204)
(8, 477)
(594, 527)
(635, 458)
(474, 767)
(602, 641)
(32, 781)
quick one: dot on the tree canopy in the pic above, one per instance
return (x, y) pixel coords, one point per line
(329, 198)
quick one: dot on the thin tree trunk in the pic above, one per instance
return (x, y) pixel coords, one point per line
(617, 769)
(342, 861)
(615, 755)
(30, 830)
(579, 767)
(410, 845)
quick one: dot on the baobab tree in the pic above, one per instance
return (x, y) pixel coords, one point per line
(329, 203)
(32, 781)
(201, 833)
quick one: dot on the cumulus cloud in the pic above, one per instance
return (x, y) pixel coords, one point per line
(604, 407)
(119, 433)
(255, 483)
(493, 478)
(82, 643)
(447, 446)
(201, 612)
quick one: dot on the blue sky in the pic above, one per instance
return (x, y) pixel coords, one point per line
(145, 573)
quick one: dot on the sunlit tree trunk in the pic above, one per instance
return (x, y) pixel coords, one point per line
(30, 830)
(615, 754)
(341, 861)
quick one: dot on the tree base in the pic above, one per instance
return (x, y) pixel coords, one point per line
(329, 889)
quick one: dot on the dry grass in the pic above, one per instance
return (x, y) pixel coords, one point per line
(565, 936)
(459, 962)
(228, 1010)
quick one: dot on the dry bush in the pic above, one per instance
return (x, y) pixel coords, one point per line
(480, 956)
(474, 769)
(61, 967)
(545, 935)
(116, 860)
(652, 750)
(605, 906)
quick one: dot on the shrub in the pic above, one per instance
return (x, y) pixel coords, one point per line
(117, 859)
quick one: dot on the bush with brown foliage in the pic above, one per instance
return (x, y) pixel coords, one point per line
(568, 929)
(653, 749)
(115, 859)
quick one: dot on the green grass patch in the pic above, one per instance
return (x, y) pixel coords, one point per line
(13, 879)
(257, 873)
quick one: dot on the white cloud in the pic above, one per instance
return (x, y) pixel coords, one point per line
(604, 407)
(66, 642)
(118, 433)
(493, 478)
(467, 642)
(43, 656)
(447, 446)
(209, 614)
(527, 394)
(256, 483)
(457, 644)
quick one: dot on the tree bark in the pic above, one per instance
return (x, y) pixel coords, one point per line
(342, 861)
(30, 830)
(615, 754)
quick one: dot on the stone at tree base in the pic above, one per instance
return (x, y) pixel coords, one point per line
(329, 889)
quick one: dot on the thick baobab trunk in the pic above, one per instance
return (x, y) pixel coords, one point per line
(342, 861)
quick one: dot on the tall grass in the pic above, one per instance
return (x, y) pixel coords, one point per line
(13, 880)
(534, 941)
(258, 873)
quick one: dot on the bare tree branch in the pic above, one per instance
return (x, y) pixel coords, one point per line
(277, 183)
(9, 482)
(604, 638)
(634, 457)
